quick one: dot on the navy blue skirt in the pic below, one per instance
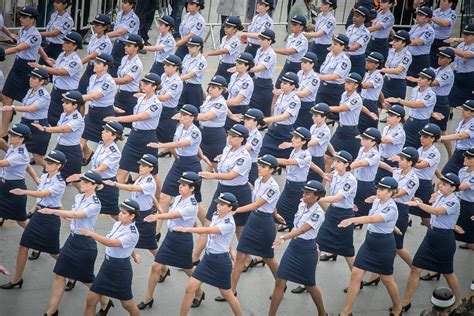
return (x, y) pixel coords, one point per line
(158, 68)
(94, 120)
(17, 83)
(442, 106)
(321, 51)
(39, 141)
(136, 147)
(424, 193)
(84, 82)
(252, 49)
(222, 70)
(436, 252)
(125, 101)
(304, 117)
(191, 94)
(460, 92)
(213, 141)
(181, 51)
(118, 51)
(364, 190)
(77, 258)
(330, 93)
(12, 206)
(384, 173)
(277, 134)
(236, 109)
(434, 50)
(180, 165)
(377, 253)
(464, 220)
(56, 106)
(114, 279)
(73, 160)
(418, 63)
(253, 175)
(402, 224)
(258, 235)
(358, 64)
(42, 233)
(299, 261)
(412, 129)
(364, 120)
(166, 126)
(318, 161)
(176, 250)
(215, 270)
(262, 96)
(378, 45)
(289, 66)
(147, 231)
(339, 241)
(109, 199)
(344, 138)
(395, 88)
(289, 200)
(455, 163)
(243, 195)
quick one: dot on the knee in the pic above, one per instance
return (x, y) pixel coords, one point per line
(415, 270)
(280, 283)
(240, 258)
(91, 299)
(156, 267)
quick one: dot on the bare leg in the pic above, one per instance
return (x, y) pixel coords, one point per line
(372, 277)
(191, 289)
(454, 286)
(237, 270)
(86, 151)
(317, 299)
(233, 301)
(122, 176)
(448, 146)
(57, 292)
(202, 240)
(152, 281)
(277, 296)
(392, 289)
(20, 263)
(91, 303)
(425, 222)
(405, 255)
(272, 264)
(158, 186)
(354, 287)
(130, 307)
(39, 160)
(22, 224)
(350, 262)
(153, 252)
(412, 284)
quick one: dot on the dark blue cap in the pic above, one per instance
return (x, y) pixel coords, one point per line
(134, 39)
(167, 20)
(218, 81)
(469, 152)
(397, 110)
(73, 96)
(373, 134)
(447, 52)
(173, 60)
(387, 183)
(20, 130)
(443, 297)
(148, 160)
(425, 11)
(375, 57)
(344, 156)
(254, 114)
(227, 198)
(114, 127)
(469, 29)
(431, 129)
(310, 57)
(189, 109)
(189, 177)
(195, 41)
(268, 160)
(269, 3)
(403, 36)
(341, 39)
(2, 54)
(105, 58)
(245, 58)
(268, 34)
(130, 205)
(39, 73)
(239, 130)
(291, 78)
(198, 2)
(56, 156)
(428, 73)
(29, 11)
(410, 153)
(152, 78)
(302, 132)
(298, 19)
(451, 178)
(101, 18)
(468, 105)
(354, 77)
(315, 187)
(321, 108)
(74, 38)
(332, 3)
(234, 21)
(362, 11)
(92, 177)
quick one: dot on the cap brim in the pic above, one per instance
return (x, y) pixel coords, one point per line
(145, 163)
(86, 178)
(51, 159)
(393, 113)
(12, 132)
(382, 186)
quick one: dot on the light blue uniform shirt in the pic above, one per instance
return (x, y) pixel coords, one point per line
(309, 81)
(425, 33)
(461, 65)
(354, 102)
(109, 156)
(238, 161)
(73, 65)
(192, 24)
(172, 85)
(339, 65)
(107, 87)
(56, 186)
(64, 23)
(444, 32)
(313, 216)
(290, 103)
(268, 59)
(128, 236)
(408, 182)
(39, 97)
(327, 23)
(91, 205)
(232, 44)
(298, 172)
(269, 191)
(259, 24)
(255, 142)
(401, 58)
(219, 107)
(132, 67)
(372, 156)
(432, 157)
(298, 42)
(445, 78)
(358, 35)
(153, 107)
(197, 65)
(146, 195)
(389, 212)
(18, 161)
(323, 135)
(452, 206)
(376, 79)
(220, 243)
(468, 127)
(100, 45)
(345, 185)
(129, 21)
(429, 100)
(387, 20)
(169, 46)
(242, 85)
(76, 123)
(188, 209)
(466, 177)
(32, 38)
(193, 135)
(398, 136)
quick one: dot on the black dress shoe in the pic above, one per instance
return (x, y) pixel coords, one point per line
(429, 277)
(463, 246)
(144, 305)
(246, 268)
(299, 289)
(30, 215)
(86, 161)
(70, 285)
(256, 262)
(410, 222)
(283, 228)
(284, 291)
(158, 237)
(130, 179)
(56, 313)
(197, 302)
(358, 226)
(2, 221)
(195, 263)
(325, 257)
(163, 277)
(222, 299)
(164, 154)
(34, 255)
(404, 308)
(361, 287)
(32, 162)
(375, 282)
(103, 312)
(10, 285)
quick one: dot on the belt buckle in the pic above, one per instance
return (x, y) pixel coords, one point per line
(107, 257)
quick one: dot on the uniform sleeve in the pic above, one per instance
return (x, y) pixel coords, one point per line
(130, 239)
(113, 158)
(470, 131)
(57, 188)
(242, 165)
(132, 25)
(246, 89)
(427, 36)
(313, 85)
(33, 40)
(136, 71)
(105, 47)
(270, 195)
(301, 45)
(189, 212)
(92, 209)
(373, 159)
(316, 219)
(154, 110)
(255, 143)
(175, 89)
(149, 188)
(389, 213)
(73, 67)
(294, 107)
(75, 124)
(65, 27)
(328, 27)
(377, 82)
(218, 109)
(362, 40)
(411, 186)
(354, 104)
(303, 159)
(432, 159)
(452, 206)
(429, 100)
(387, 21)
(399, 138)
(193, 137)
(200, 67)
(446, 79)
(348, 188)
(169, 46)
(406, 61)
(225, 228)
(471, 183)
(269, 61)
(452, 18)
(198, 28)
(233, 46)
(16, 160)
(343, 68)
(43, 102)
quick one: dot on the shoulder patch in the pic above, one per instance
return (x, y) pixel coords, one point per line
(385, 210)
(194, 135)
(75, 116)
(150, 179)
(254, 142)
(217, 105)
(134, 68)
(431, 155)
(21, 150)
(444, 76)
(201, 66)
(105, 86)
(344, 66)
(227, 220)
(267, 59)
(113, 149)
(292, 105)
(96, 199)
(59, 177)
(240, 161)
(347, 187)
(245, 85)
(193, 201)
(450, 203)
(314, 217)
(40, 92)
(411, 184)
(405, 60)
(353, 101)
(153, 107)
(315, 82)
(174, 86)
(72, 64)
(133, 229)
(270, 193)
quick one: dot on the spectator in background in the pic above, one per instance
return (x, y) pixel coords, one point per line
(177, 7)
(369, 5)
(145, 9)
(306, 8)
